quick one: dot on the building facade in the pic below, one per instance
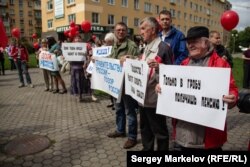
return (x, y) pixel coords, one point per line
(104, 14)
(22, 14)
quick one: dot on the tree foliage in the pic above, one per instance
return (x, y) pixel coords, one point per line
(241, 39)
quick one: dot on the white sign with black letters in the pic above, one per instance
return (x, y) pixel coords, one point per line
(136, 74)
(74, 51)
(194, 94)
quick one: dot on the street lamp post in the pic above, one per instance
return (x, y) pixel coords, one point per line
(234, 39)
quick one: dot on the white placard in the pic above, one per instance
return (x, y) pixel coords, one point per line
(90, 67)
(194, 94)
(59, 8)
(48, 61)
(107, 76)
(103, 51)
(74, 51)
(136, 77)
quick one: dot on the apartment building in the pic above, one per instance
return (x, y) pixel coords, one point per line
(22, 14)
(104, 14)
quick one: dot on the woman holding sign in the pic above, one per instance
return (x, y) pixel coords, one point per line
(46, 73)
(192, 136)
(55, 48)
(77, 74)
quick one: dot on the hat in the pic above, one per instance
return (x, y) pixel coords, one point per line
(197, 32)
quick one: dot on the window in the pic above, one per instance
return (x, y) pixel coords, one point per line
(111, 2)
(20, 13)
(72, 17)
(191, 17)
(136, 22)
(125, 20)
(185, 3)
(179, 14)
(125, 3)
(50, 23)
(30, 13)
(136, 4)
(21, 21)
(95, 18)
(71, 1)
(20, 3)
(29, 4)
(12, 11)
(147, 7)
(30, 22)
(50, 5)
(11, 2)
(185, 16)
(96, 0)
(173, 13)
(111, 19)
(157, 9)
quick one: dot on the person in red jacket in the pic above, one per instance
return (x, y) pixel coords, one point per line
(21, 59)
(190, 136)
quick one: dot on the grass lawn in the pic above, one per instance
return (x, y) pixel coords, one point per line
(237, 69)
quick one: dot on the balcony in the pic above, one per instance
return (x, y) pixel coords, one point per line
(37, 7)
(173, 2)
(4, 3)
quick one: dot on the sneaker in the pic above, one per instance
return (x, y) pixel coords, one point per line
(93, 98)
(116, 134)
(129, 144)
(63, 91)
(110, 105)
(46, 90)
(31, 86)
(21, 85)
(56, 91)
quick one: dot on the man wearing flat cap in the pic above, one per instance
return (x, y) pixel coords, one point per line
(192, 136)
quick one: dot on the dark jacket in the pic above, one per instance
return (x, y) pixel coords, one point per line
(222, 51)
(177, 44)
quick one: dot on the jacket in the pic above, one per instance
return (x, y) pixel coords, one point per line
(20, 52)
(162, 53)
(177, 44)
(128, 47)
(216, 138)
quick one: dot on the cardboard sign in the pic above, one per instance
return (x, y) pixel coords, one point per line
(48, 61)
(194, 94)
(74, 51)
(136, 77)
(107, 75)
(103, 51)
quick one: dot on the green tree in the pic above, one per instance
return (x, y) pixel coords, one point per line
(242, 38)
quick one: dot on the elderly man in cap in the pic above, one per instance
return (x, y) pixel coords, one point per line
(201, 53)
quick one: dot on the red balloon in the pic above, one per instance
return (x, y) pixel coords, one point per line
(15, 32)
(94, 37)
(72, 24)
(86, 26)
(34, 36)
(229, 20)
(73, 31)
(36, 45)
(66, 33)
(4, 38)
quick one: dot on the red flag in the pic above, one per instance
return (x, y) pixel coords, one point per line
(4, 38)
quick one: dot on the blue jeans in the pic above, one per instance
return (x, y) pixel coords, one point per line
(127, 106)
(23, 69)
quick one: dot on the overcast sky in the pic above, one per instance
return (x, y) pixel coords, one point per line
(240, 6)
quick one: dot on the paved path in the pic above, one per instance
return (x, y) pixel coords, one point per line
(78, 130)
